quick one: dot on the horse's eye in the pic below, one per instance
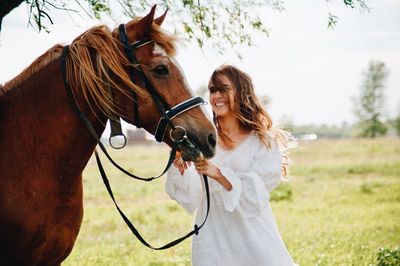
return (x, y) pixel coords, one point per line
(161, 70)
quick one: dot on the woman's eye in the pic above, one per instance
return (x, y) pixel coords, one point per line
(212, 89)
(161, 70)
(220, 89)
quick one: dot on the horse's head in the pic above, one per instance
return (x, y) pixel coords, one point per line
(162, 85)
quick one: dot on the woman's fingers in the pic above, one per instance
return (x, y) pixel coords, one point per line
(201, 167)
(180, 165)
(200, 163)
(176, 162)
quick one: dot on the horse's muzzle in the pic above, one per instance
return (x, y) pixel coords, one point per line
(194, 150)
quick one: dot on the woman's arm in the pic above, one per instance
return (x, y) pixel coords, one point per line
(205, 167)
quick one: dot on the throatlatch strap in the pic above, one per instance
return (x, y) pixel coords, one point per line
(132, 227)
(128, 51)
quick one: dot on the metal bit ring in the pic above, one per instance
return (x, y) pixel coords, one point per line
(184, 135)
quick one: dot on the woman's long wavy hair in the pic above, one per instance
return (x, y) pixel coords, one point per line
(251, 114)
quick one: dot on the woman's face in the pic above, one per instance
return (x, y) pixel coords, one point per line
(221, 96)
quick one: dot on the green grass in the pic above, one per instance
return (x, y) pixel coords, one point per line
(341, 206)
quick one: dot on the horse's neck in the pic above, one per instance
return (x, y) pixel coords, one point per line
(48, 131)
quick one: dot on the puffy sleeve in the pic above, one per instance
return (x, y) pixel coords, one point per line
(253, 185)
(186, 189)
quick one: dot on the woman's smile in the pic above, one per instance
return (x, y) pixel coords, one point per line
(220, 104)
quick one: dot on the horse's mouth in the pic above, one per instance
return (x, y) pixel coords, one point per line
(190, 153)
(195, 151)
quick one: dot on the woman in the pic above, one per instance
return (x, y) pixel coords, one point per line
(240, 229)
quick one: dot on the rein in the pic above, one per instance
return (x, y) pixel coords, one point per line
(165, 120)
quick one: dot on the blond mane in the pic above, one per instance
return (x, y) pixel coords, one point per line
(96, 78)
(95, 63)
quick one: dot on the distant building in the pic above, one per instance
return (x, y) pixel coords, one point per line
(308, 137)
(138, 136)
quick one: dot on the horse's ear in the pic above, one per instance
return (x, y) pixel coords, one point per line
(145, 23)
(161, 18)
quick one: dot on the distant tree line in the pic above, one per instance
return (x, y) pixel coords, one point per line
(369, 109)
(345, 130)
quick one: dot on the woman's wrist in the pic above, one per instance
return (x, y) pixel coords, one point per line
(218, 175)
(221, 179)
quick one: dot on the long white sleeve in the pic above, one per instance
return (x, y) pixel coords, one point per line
(186, 189)
(251, 188)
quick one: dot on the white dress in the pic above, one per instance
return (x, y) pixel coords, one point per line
(240, 229)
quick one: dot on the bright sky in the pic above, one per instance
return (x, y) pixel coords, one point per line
(309, 72)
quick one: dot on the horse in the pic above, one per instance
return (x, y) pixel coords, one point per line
(45, 146)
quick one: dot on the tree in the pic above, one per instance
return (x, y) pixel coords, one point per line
(370, 103)
(222, 23)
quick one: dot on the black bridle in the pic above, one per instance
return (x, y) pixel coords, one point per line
(167, 114)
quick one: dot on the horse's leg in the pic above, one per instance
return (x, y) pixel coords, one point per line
(68, 217)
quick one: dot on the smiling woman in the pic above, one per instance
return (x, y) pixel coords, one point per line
(249, 163)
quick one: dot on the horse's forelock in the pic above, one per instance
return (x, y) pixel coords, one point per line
(95, 74)
(165, 40)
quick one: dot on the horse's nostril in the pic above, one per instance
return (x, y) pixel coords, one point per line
(211, 140)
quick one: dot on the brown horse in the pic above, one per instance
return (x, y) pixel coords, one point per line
(45, 146)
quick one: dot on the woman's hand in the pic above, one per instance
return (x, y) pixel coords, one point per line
(205, 167)
(180, 164)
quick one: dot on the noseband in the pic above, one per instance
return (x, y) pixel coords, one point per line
(167, 114)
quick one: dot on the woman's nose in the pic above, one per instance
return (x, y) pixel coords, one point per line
(218, 94)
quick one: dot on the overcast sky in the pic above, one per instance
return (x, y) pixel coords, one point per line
(310, 73)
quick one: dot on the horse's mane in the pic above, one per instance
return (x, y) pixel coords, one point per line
(95, 63)
(108, 70)
(44, 59)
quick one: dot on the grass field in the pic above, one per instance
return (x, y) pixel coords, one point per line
(341, 205)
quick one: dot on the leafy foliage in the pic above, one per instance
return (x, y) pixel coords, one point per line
(388, 257)
(215, 23)
(360, 4)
